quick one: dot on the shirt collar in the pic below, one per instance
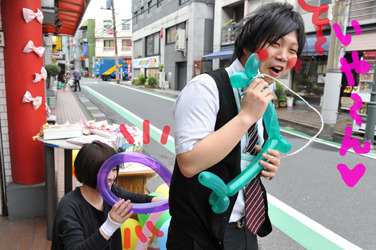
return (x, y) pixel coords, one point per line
(236, 66)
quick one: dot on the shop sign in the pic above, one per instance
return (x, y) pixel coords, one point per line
(148, 62)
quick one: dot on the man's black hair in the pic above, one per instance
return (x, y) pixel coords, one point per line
(269, 23)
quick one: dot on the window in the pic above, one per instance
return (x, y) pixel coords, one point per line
(126, 44)
(138, 48)
(171, 32)
(108, 45)
(152, 44)
(107, 24)
(183, 1)
(159, 3)
(135, 18)
(326, 2)
(126, 24)
(142, 11)
(150, 6)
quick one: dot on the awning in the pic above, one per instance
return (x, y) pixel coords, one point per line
(362, 43)
(65, 17)
(309, 47)
(219, 55)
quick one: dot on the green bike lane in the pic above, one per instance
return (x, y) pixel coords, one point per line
(305, 231)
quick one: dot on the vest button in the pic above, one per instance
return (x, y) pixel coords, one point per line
(224, 219)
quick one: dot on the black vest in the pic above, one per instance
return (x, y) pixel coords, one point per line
(189, 200)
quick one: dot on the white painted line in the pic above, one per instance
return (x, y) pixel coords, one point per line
(326, 233)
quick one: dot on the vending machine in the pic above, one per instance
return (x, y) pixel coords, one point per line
(365, 87)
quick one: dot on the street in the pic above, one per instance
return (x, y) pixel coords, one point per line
(309, 204)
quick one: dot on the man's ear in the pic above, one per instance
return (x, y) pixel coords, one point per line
(245, 56)
(247, 52)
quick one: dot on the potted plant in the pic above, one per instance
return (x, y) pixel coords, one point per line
(290, 99)
(52, 70)
(141, 79)
(152, 82)
(282, 101)
(161, 75)
(280, 95)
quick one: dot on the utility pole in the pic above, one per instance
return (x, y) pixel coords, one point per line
(371, 113)
(333, 77)
(115, 39)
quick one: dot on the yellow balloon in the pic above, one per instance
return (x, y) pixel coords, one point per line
(74, 155)
(128, 234)
(164, 190)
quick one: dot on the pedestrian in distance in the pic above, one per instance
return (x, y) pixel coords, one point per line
(68, 80)
(83, 219)
(76, 76)
(219, 129)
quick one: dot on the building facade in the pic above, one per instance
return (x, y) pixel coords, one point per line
(104, 35)
(173, 33)
(84, 47)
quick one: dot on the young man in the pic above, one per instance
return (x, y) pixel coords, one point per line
(212, 121)
(76, 76)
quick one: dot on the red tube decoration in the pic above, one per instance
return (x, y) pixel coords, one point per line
(27, 159)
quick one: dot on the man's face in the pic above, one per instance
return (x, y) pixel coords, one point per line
(279, 55)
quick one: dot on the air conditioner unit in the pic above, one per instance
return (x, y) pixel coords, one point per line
(180, 40)
(165, 85)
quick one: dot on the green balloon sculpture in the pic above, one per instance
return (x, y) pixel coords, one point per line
(219, 198)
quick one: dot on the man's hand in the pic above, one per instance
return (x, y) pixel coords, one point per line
(271, 164)
(255, 100)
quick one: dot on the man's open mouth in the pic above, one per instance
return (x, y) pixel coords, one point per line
(277, 70)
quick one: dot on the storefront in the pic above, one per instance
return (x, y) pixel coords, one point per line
(310, 80)
(366, 47)
(147, 66)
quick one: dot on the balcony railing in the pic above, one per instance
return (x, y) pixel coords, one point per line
(126, 48)
(108, 48)
(228, 34)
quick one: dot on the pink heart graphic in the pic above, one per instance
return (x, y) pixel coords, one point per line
(351, 176)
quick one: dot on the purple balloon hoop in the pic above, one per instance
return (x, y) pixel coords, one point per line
(113, 161)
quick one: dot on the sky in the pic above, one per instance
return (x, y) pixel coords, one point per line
(121, 6)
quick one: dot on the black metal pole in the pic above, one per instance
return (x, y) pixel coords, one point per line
(371, 112)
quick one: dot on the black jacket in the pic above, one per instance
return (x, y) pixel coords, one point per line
(77, 222)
